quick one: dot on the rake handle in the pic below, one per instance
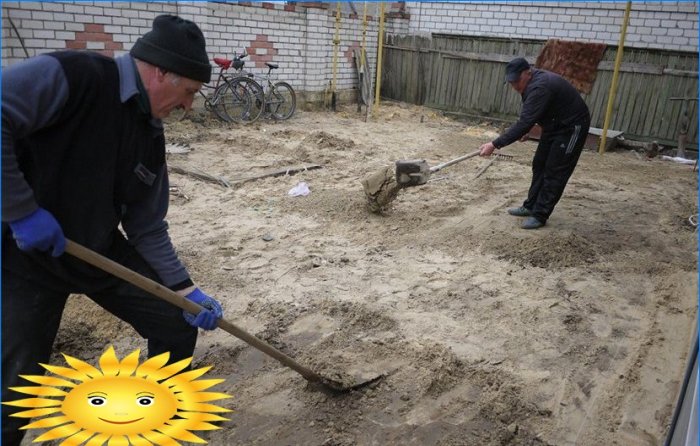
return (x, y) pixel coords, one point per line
(454, 161)
(483, 169)
(158, 290)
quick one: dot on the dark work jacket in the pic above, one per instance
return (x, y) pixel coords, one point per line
(550, 101)
(96, 158)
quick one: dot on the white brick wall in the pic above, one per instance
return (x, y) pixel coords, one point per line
(652, 24)
(303, 38)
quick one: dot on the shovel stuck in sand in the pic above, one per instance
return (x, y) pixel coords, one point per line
(382, 187)
(156, 289)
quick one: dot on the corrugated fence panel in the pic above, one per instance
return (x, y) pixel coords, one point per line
(465, 75)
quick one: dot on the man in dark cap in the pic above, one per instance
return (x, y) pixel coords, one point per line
(552, 102)
(83, 153)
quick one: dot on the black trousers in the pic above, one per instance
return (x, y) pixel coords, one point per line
(31, 314)
(555, 160)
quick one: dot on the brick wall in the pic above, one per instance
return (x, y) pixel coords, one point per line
(296, 36)
(659, 25)
(299, 36)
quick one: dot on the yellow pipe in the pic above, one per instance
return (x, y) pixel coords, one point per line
(364, 36)
(380, 46)
(613, 87)
(336, 43)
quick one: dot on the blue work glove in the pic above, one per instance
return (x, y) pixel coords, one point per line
(207, 318)
(39, 230)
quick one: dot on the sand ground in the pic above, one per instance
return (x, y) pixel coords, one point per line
(574, 334)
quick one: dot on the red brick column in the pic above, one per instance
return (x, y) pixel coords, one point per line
(94, 33)
(261, 50)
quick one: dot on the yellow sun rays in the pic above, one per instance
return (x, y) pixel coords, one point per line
(60, 400)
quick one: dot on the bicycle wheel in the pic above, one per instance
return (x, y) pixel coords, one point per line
(281, 101)
(233, 102)
(257, 97)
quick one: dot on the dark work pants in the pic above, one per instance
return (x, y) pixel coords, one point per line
(552, 166)
(31, 314)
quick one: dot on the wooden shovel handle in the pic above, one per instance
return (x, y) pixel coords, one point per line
(167, 294)
(454, 161)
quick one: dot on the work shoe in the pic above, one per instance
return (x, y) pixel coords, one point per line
(532, 223)
(520, 212)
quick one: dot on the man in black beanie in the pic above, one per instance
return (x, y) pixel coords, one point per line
(83, 157)
(177, 45)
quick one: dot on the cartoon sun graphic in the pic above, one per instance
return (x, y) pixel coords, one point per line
(122, 403)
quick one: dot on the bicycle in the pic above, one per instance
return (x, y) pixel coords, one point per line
(226, 100)
(242, 99)
(244, 81)
(280, 99)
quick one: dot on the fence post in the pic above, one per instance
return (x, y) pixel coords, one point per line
(613, 86)
(380, 47)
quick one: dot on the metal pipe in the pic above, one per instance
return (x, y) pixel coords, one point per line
(21, 40)
(336, 44)
(364, 37)
(361, 69)
(613, 86)
(380, 46)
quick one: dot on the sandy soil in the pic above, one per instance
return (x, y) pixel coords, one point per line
(574, 334)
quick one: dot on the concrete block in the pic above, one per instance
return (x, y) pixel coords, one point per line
(65, 35)
(35, 43)
(55, 25)
(52, 6)
(43, 34)
(82, 18)
(74, 8)
(31, 24)
(95, 45)
(103, 20)
(17, 13)
(73, 26)
(94, 10)
(55, 44)
(42, 15)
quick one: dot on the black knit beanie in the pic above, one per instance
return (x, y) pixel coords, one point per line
(176, 45)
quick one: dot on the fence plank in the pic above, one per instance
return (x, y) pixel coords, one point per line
(464, 74)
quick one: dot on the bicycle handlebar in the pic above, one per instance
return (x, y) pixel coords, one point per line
(238, 62)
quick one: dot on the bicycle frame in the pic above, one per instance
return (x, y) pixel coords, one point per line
(220, 80)
(278, 95)
(240, 98)
(215, 97)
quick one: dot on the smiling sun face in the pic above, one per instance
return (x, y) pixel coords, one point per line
(123, 402)
(120, 405)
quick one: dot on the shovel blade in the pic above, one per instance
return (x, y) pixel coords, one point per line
(331, 386)
(412, 172)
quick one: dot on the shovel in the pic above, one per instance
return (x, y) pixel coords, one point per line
(416, 172)
(166, 294)
(382, 187)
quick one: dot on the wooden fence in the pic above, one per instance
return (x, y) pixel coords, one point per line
(465, 75)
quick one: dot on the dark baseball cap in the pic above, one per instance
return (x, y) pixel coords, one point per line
(515, 67)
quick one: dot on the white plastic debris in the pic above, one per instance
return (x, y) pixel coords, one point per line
(301, 189)
(677, 159)
(177, 148)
